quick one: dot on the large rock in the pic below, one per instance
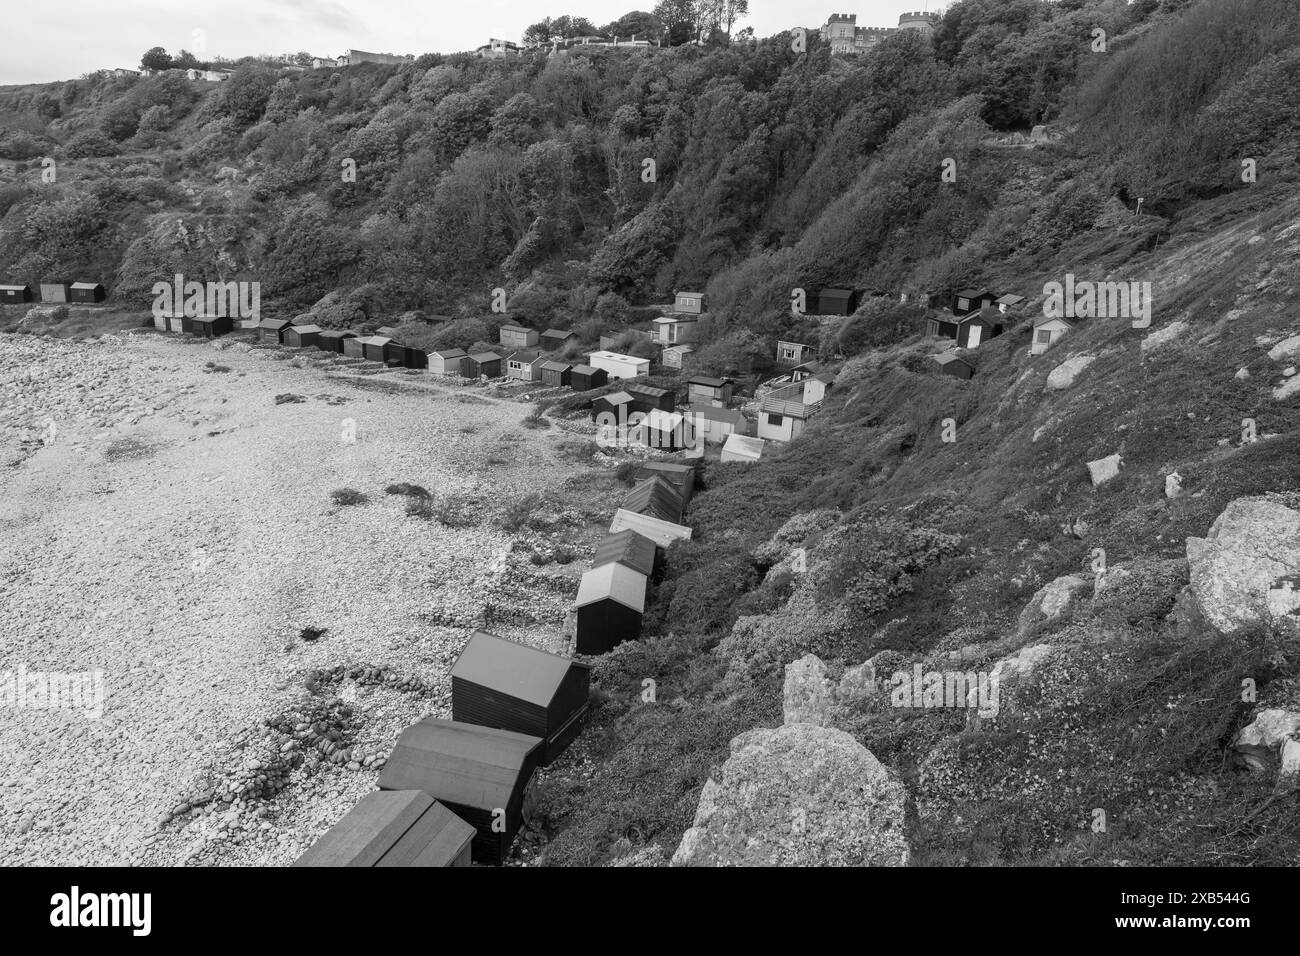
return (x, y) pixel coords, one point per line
(808, 692)
(1271, 740)
(799, 795)
(1164, 336)
(1049, 603)
(1242, 573)
(1286, 349)
(1104, 469)
(1063, 375)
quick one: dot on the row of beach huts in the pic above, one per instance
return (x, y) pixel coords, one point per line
(455, 792)
(60, 293)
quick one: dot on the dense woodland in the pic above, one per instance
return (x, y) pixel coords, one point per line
(777, 170)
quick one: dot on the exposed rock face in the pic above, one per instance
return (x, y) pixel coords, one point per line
(808, 692)
(1063, 375)
(1049, 603)
(1287, 348)
(1104, 469)
(799, 795)
(1272, 739)
(1245, 571)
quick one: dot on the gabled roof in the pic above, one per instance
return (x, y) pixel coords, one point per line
(514, 328)
(626, 547)
(87, 285)
(449, 353)
(659, 420)
(662, 533)
(559, 333)
(681, 349)
(657, 497)
(614, 398)
(1010, 299)
(379, 340)
(972, 293)
(698, 295)
(709, 381)
(556, 366)
(482, 357)
(514, 669)
(276, 324)
(649, 391)
(458, 763)
(613, 582)
(306, 328)
(386, 330)
(526, 356)
(679, 317)
(1048, 318)
(337, 334)
(15, 288)
(586, 369)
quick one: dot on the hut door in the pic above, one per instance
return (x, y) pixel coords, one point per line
(973, 336)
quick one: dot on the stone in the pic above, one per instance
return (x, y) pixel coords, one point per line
(1063, 375)
(1104, 469)
(1173, 485)
(1242, 374)
(1250, 552)
(1049, 603)
(808, 692)
(1287, 348)
(1288, 388)
(1268, 740)
(1164, 336)
(798, 795)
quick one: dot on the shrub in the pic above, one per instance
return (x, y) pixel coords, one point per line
(345, 497)
(411, 491)
(876, 561)
(90, 143)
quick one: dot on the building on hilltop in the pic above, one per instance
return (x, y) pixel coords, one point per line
(845, 36)
(355, 57)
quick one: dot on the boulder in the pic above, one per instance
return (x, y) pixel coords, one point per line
(1063, 375)
(1243, 572)
(1285, 349)
(1173, 485)
(1164, 336)
(1006, 674)
(1270, 739)
(1288, 388)
(798, 795)
(808, 692)
(1104, 469)
(1242, 374)
(1049, 603)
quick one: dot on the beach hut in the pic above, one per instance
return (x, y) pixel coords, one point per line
(517, 337)
(629, 549)
(979, 327)
(394, 828)
(272, 330)
(481, 363)
(355, 347)
(87, 292)
(838, 301)
(302, 336)
(617, 365)
(553, 339)
(481, 774)
(689, 303)
(674, 329)
(950, 363)
(525, 365)
(387, 331)
(709, 390)
(662, 533)
(675, 356)
(793, 353)
(972, 300)
(655, 496)
(446, 361)
(668, 431)
(211, 326)
(715, 424)
(742, 449)
(56, 291)
(610, 603)
(1047, 331)
(645, 398)
(15, 294)
(1008, 302)
(556, 373)
(374, 347)
(416, 358)
(394, 355)
(331, 340)
(618, 404)
(583, 378)
(682, 477)
(178, 323)
(506, 685)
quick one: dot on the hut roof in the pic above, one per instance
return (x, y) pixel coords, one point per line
(307, 328)
(709, 381)
(628, 548)
(449, 353)
(459, 763)
(732, 416)
(662, 533)
(527, 356)
(482, 357)
(515, 669)
(612, 582)
(657, 497)
(745, 446)
(556, 366)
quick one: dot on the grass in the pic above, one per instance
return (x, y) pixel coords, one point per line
(422, 508)
(409, 490)
(126, 449)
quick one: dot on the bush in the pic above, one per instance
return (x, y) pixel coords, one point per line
(876, 561)
(411, 491)
(345, 497)
(90, 143)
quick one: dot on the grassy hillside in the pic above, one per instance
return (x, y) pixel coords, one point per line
(774, 171)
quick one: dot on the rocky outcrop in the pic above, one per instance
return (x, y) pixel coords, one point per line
(1164, 336)
(1271, 740)
(799, 795)
(1063, 375)
(1049, 603)
(1245, 571)
(808, 692)
(1104, 469)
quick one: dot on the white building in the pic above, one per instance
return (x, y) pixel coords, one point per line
(617, 365)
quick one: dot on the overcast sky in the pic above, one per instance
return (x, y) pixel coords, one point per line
(63, 39)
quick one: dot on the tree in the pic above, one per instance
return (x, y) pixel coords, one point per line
(185, 60)
(638, 24)
(156, 59)
(565, 27)
(720, 15)
(680, 19)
